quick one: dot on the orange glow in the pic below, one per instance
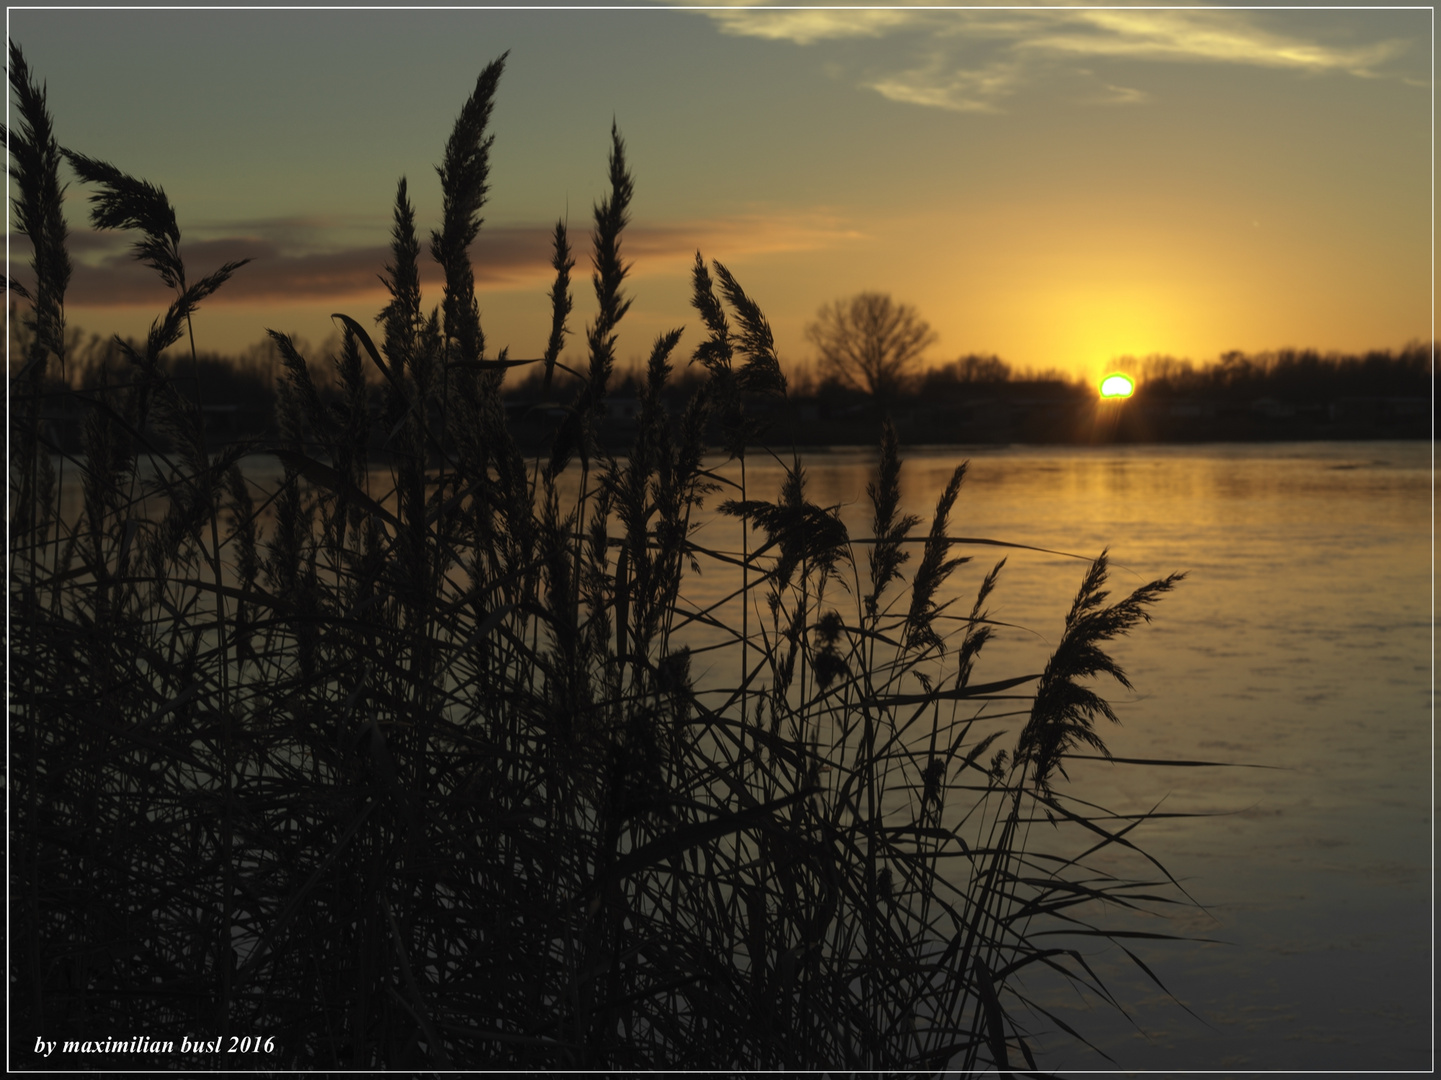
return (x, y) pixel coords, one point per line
(1117, 386)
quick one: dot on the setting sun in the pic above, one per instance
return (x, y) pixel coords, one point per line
(1117, 386)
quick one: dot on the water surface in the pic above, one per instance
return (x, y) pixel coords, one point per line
(1301, 640)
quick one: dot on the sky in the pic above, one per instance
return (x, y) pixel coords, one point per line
(1057, 187)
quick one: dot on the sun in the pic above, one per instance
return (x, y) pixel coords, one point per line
(1117, 386)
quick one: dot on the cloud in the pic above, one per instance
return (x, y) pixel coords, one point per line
(974, 60)
(116, 279)
(1203, 36)
(106, 275)
(941, 86)
(806, 26)
(1120, 95)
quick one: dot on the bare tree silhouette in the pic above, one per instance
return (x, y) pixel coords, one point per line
(870, 342)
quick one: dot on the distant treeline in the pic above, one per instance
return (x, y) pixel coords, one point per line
(246, 379)
(1299, 375)
(240, 389)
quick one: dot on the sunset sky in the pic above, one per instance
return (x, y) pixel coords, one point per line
(1056, 187)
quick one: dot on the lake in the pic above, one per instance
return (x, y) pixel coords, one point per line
(1301, 640)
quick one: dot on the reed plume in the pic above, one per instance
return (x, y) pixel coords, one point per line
(1064, 713)
(402, 316)
(35, 168)
(464, 180)
(889, 527)
(934, 568)
(560, 300)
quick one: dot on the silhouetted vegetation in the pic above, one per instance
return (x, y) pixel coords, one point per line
(870, 343)
(970, 369)
(1288, 394)
(408, 762)
(1292, 375)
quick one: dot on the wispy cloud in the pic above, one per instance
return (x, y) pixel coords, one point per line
(806, 26)
(1120, 95)
(283, 270)
(1204, 36)
(939, 83)
(974, 60)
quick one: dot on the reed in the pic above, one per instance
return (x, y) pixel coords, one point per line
(404, 763)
